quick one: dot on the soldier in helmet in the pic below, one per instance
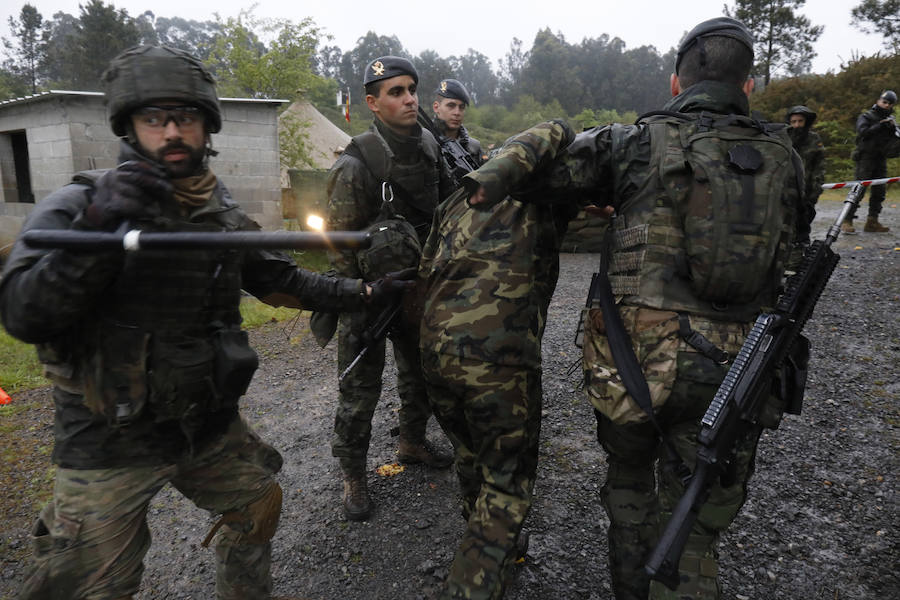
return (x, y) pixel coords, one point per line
(145, 352)
(450, 104)
(875, 129)
(683, 309)
(389, 180)
(809, 146)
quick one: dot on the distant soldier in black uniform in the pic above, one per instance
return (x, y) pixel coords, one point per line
(450, 104)
(874, 130)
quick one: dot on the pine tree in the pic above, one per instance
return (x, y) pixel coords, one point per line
(784, 39)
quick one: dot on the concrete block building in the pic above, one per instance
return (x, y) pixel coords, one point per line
(47, 137)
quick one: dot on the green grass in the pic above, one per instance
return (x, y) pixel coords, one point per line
(19, 366)
(255, 313)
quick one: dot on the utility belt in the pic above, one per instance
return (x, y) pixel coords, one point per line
(172, 377)
(664, 344)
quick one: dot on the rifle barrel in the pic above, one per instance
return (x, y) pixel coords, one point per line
(854, 197)
(194, 240)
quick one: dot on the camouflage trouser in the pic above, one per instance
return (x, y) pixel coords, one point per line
(639, 495)
(868, 167)
(492, 415)
(361, 389)
(90, 540)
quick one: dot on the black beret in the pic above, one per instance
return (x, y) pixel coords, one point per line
(387, 67)
(451, 88)
(720, 26)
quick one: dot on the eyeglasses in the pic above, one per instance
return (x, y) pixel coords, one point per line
(155, 117)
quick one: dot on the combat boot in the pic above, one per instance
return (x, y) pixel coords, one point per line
(357, 504)
(412, 453)
(847, 226)
(873, 226)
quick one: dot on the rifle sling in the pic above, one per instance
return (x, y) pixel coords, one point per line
(625, 358)
(630, 369)
(698, 341)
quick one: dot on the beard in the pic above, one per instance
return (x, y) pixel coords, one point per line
(191, 165)
(797, 134)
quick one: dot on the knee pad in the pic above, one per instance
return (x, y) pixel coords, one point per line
(257, 522)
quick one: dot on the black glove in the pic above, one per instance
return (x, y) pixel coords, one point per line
(133, 190)
(387, 288)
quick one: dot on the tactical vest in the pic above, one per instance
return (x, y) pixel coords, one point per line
(164, 339)
(708, 229)
(415, 187)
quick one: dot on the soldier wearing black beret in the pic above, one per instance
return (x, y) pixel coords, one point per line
(450, 103)
(393, 169)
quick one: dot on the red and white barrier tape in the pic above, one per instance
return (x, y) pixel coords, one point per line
(865, 182)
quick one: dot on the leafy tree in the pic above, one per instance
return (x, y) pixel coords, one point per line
(246, 67)
(368, 48)
(550, 72)
(784, 39)
(82, 52)
(511, 70)
(879, 16)
(145, 22)
(56, 35)
(194, 37)
(431, 69)
(294, 148)
(12, 85)
(328, 62)
(29, 48)
(474, 70)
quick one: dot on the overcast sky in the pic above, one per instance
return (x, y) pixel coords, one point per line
(451, 28)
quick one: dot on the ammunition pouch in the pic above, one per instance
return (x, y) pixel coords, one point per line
(788, 386)
(235, 364)
(115, 373)
(793, 379)
(180, 375)
(177, 377)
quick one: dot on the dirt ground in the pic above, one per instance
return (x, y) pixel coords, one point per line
(820, 522)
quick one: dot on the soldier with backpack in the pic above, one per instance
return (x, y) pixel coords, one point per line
(706, 201)
(389, 180)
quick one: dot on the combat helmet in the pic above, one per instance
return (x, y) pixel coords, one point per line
(144, 74)
(889, 95)
(806, 112)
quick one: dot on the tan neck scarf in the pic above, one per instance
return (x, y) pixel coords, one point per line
(194, 191)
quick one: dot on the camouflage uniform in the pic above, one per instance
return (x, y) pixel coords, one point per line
(488, 277)
(872, 138)
(130, 345)
(420, 180)
(809, 146)
(613, 165)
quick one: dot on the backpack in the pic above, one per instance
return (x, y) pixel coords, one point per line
(725, 176)
(394, 246)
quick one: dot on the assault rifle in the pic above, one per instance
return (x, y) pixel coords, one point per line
(135, 240)
(385, 321)
(459, 161)
(774, 342)
(375, 332)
